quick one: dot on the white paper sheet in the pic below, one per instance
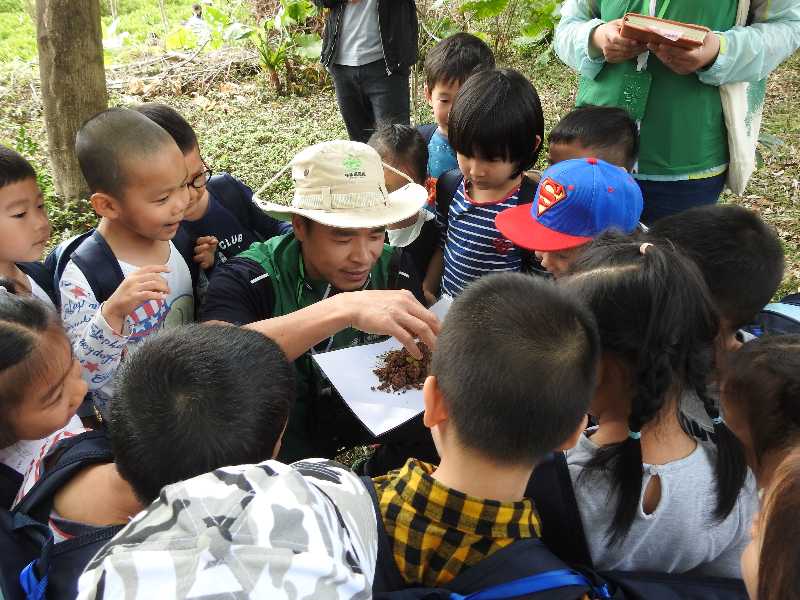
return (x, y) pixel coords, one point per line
(350, 370)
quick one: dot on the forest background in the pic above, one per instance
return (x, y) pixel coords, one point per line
(247, 78)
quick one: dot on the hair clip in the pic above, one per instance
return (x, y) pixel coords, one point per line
(634, 434)
(717, 420)
(643, 247)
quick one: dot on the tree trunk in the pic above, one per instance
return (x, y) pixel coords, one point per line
(70, 42)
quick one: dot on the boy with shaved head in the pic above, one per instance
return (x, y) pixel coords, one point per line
(137, 177)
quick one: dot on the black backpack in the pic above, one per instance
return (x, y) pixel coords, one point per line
(446, 187)
(94, 257)
(229, 194)
(32, 566)
(780, 317)
(427, 131)
(550, 487)
(43, 278)
(524, 569)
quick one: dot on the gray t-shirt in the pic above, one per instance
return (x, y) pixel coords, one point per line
(681, 534)
(359, 35)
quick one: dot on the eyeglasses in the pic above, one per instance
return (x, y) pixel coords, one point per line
(201, 180)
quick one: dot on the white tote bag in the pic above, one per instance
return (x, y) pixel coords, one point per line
(742, 105)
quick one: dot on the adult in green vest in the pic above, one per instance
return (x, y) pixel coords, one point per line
(331, 283)
(684, 145)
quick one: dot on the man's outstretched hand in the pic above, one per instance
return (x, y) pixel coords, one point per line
(395, 313)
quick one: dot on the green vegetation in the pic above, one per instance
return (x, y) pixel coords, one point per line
(249, 129)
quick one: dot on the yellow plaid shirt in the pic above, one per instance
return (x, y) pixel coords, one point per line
(437, 532)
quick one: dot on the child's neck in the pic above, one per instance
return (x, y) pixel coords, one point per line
(493, 194)
(663, 440)
(476, 476)
(131, 247)
(78, 500)
(12, 271)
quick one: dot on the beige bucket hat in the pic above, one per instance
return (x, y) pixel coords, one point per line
(341, 184)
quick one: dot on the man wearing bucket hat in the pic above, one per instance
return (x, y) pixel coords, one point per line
(331, 283)
(575, 202)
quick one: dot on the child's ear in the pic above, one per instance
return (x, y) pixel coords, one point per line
(538, 142)
(428, 96)
(435, 412)
(572, 440)
(105, 205)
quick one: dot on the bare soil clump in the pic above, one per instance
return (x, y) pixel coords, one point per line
(403, 371)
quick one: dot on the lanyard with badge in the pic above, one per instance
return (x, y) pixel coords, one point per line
(635, 87)
(303, 284)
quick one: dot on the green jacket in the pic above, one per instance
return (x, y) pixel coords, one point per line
(281, 258)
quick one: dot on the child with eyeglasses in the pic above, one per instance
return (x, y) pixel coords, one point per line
(221, 215)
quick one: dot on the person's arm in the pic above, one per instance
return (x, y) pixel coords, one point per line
(241, 293)
(97, 345)
(383, 312)
(579, 19)
(753, 52)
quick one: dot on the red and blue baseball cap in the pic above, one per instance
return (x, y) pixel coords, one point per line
(575, 202)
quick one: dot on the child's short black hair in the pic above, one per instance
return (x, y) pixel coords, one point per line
(401, 147)
(609, 130)
(456, 58)
(195, 398)
(516, 364)
(740, 256)
(497, 115)
(14, 167)
(109, 141)
(173, 123)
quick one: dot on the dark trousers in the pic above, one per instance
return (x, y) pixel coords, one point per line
(664, 198)
(367, 95)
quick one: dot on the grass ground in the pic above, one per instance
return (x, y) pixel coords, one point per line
(249, 131)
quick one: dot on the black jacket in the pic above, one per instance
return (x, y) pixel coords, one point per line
(397, 20)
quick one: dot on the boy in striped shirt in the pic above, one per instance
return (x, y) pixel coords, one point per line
(496, 128)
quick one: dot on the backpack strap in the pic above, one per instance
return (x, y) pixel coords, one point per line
(526, 195)
(57, 260)
(446, 187)
(230, 196)
(784, 309)
(94, 257)
(550, 488)
(495, 577)
(84, 449)
(42, 276)
(184, 244)
(10, 482)
(427, 131)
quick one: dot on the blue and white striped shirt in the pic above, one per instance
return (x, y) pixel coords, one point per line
(473, 247)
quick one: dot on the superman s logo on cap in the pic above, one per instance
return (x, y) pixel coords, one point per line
(550, 193)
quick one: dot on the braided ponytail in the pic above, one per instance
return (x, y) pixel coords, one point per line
(655, 316)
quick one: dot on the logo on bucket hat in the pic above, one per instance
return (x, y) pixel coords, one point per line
(576, 201)
(355, 196)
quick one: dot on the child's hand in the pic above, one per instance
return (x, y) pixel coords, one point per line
(430, 298)
(141, 285)
(205, 251)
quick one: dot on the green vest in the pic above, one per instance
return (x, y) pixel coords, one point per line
(280, 257)
(683, 128)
